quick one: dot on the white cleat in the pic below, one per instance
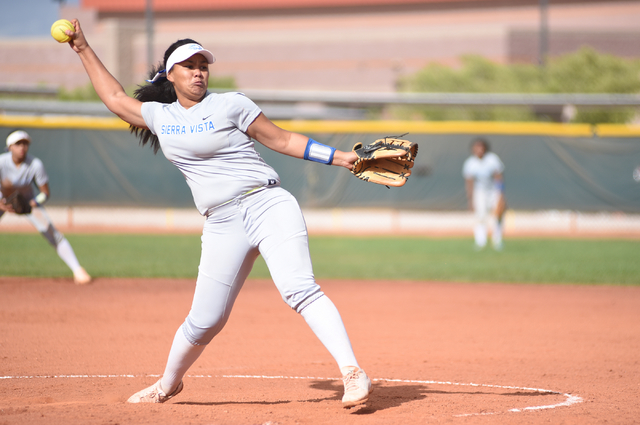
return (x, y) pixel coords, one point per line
(154, 394)
(81, 277)
(357, 387)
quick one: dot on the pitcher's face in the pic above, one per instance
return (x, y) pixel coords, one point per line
(190, 78)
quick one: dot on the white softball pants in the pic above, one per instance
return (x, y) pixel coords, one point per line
(484, 203)
(270, 223)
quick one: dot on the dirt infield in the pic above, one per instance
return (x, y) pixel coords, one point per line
(439, 353)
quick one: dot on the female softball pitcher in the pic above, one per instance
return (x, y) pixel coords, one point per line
(484, 185)
(209, 138)
(19, 171)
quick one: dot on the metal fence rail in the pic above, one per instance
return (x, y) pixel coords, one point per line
(282, 104)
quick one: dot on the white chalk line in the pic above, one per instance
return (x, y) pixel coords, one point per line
(570, 399)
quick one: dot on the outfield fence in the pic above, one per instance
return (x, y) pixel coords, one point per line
(96, 162)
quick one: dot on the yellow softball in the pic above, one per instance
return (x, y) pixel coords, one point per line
(58, 30)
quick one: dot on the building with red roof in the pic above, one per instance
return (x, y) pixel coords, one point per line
(339, 45)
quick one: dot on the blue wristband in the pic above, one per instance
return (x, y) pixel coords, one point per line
(318, 152)
(499, 185)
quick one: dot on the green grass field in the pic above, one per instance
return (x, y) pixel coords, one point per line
(544, 260)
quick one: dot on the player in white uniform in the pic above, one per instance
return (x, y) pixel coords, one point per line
(485, 191)
(19, 171)
(209, 137)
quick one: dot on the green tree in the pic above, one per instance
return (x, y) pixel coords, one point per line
(79, 94)
(587, 71)
(227, 82)
(584, 71)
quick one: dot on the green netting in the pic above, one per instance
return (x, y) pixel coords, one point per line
(108, 167)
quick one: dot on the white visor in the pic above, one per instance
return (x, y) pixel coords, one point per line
(16, 136)
(181, 54)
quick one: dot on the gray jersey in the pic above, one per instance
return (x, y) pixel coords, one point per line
(482, 170)
(209, 145)
(23, 176)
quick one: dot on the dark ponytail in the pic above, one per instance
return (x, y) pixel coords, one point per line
(161, 91)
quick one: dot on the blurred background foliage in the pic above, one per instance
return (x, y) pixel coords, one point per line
(88, 94)
(584, 71)
(80, 94)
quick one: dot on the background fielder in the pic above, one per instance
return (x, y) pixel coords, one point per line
(484, 184)
(19, 171)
